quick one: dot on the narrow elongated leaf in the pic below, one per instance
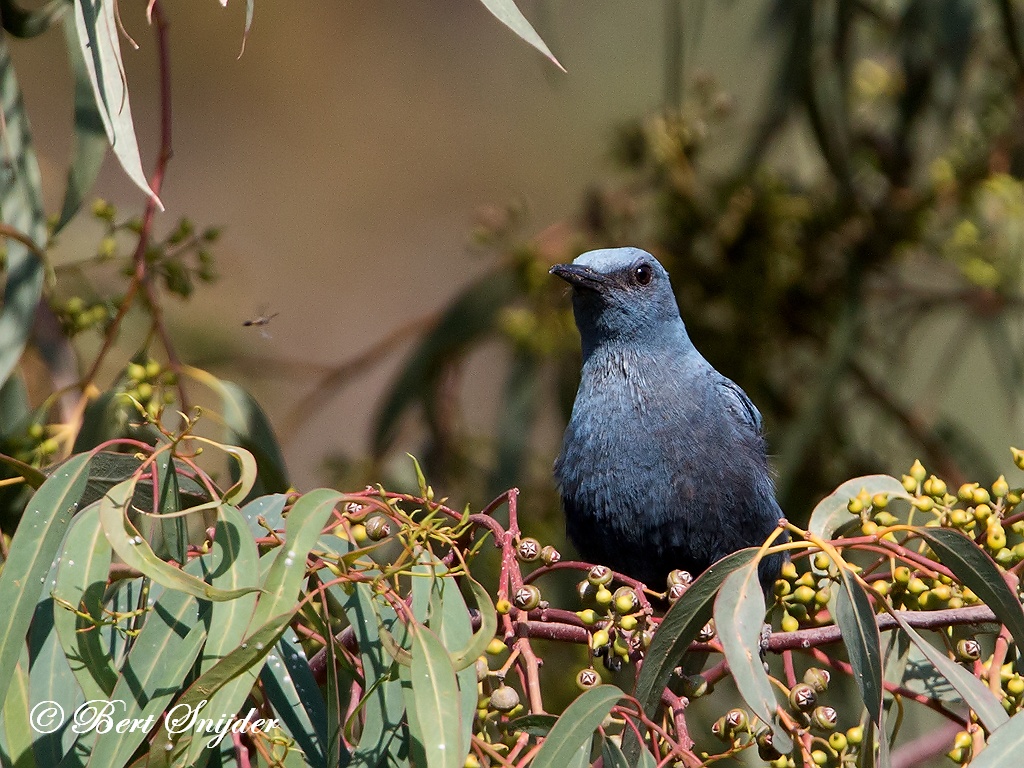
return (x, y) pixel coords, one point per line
(136, 552)
(467, 656)
(32, 551)
(519, 407)
(15, 715)
(248, 427)
(160, 659)
(81, 582)
(679, 629)
(856, 622)
(575, 727)
(90, 136)
(21, 209)
(684, 619)
(647, 760)
(977, 695)
(296, 698)
(975, 569)
(613, 757)
(101, 50)
(739, 617)
(449, 619)
(831, 514)
(581, 759)
(508, 14)
(175, 533)
(1004, 745)
(248, 656)
(435, 693)
(280, 587)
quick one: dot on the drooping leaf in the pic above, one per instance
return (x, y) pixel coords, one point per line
(977, 695)
(856, 622)
(436, 697)
(32, 550)
(21, 209)
(81, 581)
(508, 14)
(248, 427)
(156, 669)
(976, 570)
(296, 698)
(575, 727)
(95, 21)
(90, 136)
(613, 757)
(519, 408)
(683, 621)
(739, 618)
(248, 656)
(280, 588)
(831, 514)
(136, 552)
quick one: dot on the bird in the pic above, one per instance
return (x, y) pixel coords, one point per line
(663, 463)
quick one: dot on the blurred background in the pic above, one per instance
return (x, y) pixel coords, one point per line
(833, 185)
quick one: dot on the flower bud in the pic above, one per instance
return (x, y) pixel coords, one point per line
(803, 697)
(825, 718)
(527, 597)
(528, 550)
(549, 555)
(378, 527)
(504, 699)
(817, 678)
(599, 575)
(588, 678)
(918, 471)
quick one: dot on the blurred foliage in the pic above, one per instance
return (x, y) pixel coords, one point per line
(878, 199)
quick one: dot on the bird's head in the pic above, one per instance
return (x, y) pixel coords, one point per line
(620, 294)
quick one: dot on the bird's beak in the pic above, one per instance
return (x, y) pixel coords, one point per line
(579, 277)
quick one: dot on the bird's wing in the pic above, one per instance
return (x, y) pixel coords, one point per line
(739, 404)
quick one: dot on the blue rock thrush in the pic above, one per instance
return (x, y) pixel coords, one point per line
(663, 464)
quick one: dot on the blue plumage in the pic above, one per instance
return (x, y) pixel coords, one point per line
(663, 464)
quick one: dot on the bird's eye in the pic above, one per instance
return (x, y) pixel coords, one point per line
(643, 274)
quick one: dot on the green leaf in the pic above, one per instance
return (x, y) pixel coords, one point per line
(739, 617)
(101, 50)
(856, 622)
(90, 136)
(21, 208)
(508, 14)
(975, 569)
(15, 715)
(831, 514)
(81, 582)
(160, 659)
(470, 317)
(679, 629)
(175, 533)
(575, 728)
(647, 760)
(383, 705)
(977, 695)
(136, 552)
(581, 759)
(449, 619)
(467, 656)
(32, 551)
(296, 698)
(1004, 745)
(436, 695)
(612, 755)
(248, 427)
(280, 593)
(248, 656)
